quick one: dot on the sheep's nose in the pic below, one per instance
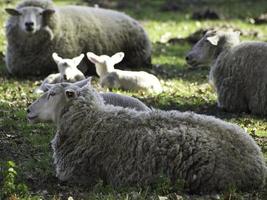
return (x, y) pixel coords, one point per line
(188, 57)
(28, 24)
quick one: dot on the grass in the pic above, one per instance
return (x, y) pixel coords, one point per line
(184, 89)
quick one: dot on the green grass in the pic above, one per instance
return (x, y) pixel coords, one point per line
(184, 89)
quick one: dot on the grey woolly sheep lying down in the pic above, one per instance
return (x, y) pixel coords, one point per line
(126, 80)
(68, 72)
(37, 28)
(238, 70)
(210, 155)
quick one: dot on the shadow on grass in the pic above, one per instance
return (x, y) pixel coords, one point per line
(176, 10)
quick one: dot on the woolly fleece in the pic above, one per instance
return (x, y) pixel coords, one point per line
(128, 148)
(72, 30)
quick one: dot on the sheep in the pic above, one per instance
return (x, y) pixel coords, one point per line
(238, 70)
(126, 80)
(124, 101)
(120, 99)
(36, 28)
(124, 147)
(68, 71)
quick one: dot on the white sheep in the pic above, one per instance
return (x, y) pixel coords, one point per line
(37, 28)
(68, 72)
(124, 147)
(126, 80)
(238, 70)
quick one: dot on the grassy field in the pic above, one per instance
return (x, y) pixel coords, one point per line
(28, 146)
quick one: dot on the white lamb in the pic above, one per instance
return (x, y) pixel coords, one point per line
(68, 72)
(126, 80)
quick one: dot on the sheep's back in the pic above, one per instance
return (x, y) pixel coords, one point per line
(206, 152)
(106, 32)
(246, 60)
(134, 80)
(242, 72)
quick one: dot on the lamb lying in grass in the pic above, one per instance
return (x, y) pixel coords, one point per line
(129, 148)
(126, 80)
(238, 70)
(68, 72)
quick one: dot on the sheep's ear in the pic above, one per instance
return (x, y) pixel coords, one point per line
(78, 59)
(116, 58)
(48, 11)
(71, 94)
(93, 58)
(87, 83)
(56, 58)
(13, 12)
(83, 82)
(214, 40)
(48, 86)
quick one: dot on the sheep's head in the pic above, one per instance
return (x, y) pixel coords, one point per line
(68, 67)
(30, 19)
(48, 107)
(105, 63)
(207, 49)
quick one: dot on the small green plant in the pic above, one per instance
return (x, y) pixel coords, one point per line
(9, 187)
(165, 186)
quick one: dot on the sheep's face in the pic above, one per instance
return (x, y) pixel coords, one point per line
(103, 63)
(68, 67)
(207, 49)
(30, 18)
(203, 52)
(51, 103)
(45, 108)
